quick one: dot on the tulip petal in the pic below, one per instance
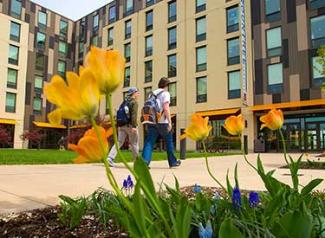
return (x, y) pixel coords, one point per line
(55, 117)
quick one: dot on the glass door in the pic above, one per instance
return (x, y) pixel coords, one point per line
(311, 136)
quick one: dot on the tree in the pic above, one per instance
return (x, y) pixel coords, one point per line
(34, 137)
(5, 137)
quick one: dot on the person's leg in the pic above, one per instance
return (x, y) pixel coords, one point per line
(149, 143)
(134, 143)
(121, 138)
(168, 137)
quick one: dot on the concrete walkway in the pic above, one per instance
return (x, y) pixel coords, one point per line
(28, 187)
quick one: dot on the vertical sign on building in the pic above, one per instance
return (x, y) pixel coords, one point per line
(243, 52)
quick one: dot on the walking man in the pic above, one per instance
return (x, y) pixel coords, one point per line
(127, 125)
(162, 128)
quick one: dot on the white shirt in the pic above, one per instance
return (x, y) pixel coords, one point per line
(162, 98)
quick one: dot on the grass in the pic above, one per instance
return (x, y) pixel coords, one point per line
(11, 157)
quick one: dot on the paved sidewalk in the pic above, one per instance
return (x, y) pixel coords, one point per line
(33, 186)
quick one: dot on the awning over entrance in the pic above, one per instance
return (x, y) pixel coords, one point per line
(8, 121)
(309, 103)
(78, 126)
(48, 125)
(219, 112)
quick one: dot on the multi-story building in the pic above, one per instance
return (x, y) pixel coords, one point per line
(286, 36)
(222, 57)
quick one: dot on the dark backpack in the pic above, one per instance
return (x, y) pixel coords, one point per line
(151, 112)
(123, 115)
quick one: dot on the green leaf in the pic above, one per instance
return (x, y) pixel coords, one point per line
(139, 208)
(228, 230)
(142, 171)
(236, 175)
(297, 224)
(310, 186)
(229, 187)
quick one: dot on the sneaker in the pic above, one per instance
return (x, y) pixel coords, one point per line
(176, 164)
(111, 162)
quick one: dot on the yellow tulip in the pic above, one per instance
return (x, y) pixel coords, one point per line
(272, 120)
(235, 125)
(77, 99)
(89, 148)
(108, 68)
(198, 129)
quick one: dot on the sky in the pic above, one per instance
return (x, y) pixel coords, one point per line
(73, 9)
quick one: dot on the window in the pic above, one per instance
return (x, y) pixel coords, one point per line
(15, 8)
(200, 5)
(233, 51)
(172, 38)
(14, 31)
(12, 75)
(172, 66)
(128, 7)
(149, 2)
(63, 48)
(317, 70)
(95, 23)
(10, 102)
(314, 4)
(127, 77)
(13, 54)
(38, 86)
(128, 29)
(110, 36)
(42, 19)
(63, 29)
(37, 105)
(201, 89)
(272, 10)
(148, 71)
(94, 40)
(149, 20)
(61, 68)
(172, 11)
(112, 14)
(82, 30)
(200, 29)
(172, 91)
(40, 40)
(274, 42)
(232, 19)
(127, 52)
(148, 46)
(234, 84)
(81, 49)
(275, 78)
(40, 62)
(317, 31)
(201, 59)
(147, 91)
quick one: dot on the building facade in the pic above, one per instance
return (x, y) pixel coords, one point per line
(286, 36)
(222, 57)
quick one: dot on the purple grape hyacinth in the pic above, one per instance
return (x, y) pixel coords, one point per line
(197, 188)
(254, 199)
(236, 198)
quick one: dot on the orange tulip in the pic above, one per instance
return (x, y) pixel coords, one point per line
(198, 129)
(76, 100)
(108, 68)
(272, 120)
(89, 147)
(235, 125)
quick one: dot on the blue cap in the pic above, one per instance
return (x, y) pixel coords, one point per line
(132, 90)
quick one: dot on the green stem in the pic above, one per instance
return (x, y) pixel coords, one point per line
(113, 124)
(208, 167)
(284, 146)
(244, 154)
